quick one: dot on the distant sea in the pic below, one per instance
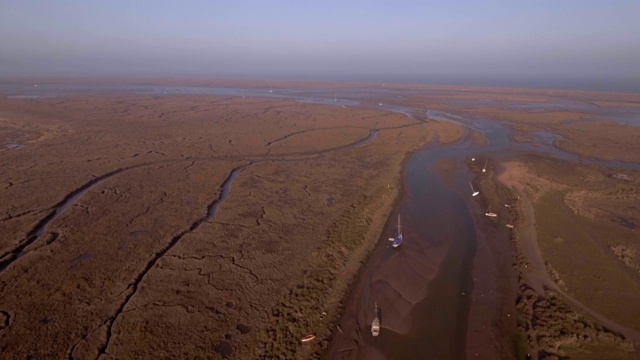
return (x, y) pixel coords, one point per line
(604, 84)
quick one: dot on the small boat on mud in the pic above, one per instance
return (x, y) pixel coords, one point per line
(397, 240)
(308, 338)
(375, 324)
(489, 213)
(510, 226)
(474, 192)
(484, 168)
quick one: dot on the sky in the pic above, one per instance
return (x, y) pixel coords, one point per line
(469, 42)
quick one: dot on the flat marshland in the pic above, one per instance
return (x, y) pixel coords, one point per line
(138, 226)
(209, 226)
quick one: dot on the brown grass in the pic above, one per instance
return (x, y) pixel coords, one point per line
(600, 139)
(590, 252)
(250, 282)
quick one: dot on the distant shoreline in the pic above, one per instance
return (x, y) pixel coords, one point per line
(628, 86)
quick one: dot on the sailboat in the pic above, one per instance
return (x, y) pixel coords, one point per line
(375, 324)
(484, 168)
(489, 213)
(398, 239)
(393, 238)
(271, 89)
(474, 192)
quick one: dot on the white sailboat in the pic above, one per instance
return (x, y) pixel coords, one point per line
(484, 168)
(393, 237)
(489, 213)
(397, 240)
(375, 324)
(474, 192)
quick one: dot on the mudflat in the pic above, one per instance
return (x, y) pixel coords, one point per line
(176, 226)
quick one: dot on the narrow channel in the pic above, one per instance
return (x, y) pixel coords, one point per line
(421, 287)
(18, 251)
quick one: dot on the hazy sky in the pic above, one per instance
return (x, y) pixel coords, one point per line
(316, 39)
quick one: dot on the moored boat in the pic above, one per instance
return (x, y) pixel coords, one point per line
(308, 338)
(489, 213)
(375, 324)
(397, 240)
(474, 192)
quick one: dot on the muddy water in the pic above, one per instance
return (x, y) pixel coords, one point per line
(498, 136)
(421, 287)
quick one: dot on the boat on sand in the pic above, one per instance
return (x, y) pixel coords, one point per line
(489, 213)
(375, 324)
(308, 338)
(473, 190)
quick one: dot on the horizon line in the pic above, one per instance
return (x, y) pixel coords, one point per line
(630, 86)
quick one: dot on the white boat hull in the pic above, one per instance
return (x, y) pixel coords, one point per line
(375, 327)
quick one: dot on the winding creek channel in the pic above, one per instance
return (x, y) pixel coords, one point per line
(425, 289)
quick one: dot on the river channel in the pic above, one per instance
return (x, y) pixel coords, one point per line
(424, 289)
